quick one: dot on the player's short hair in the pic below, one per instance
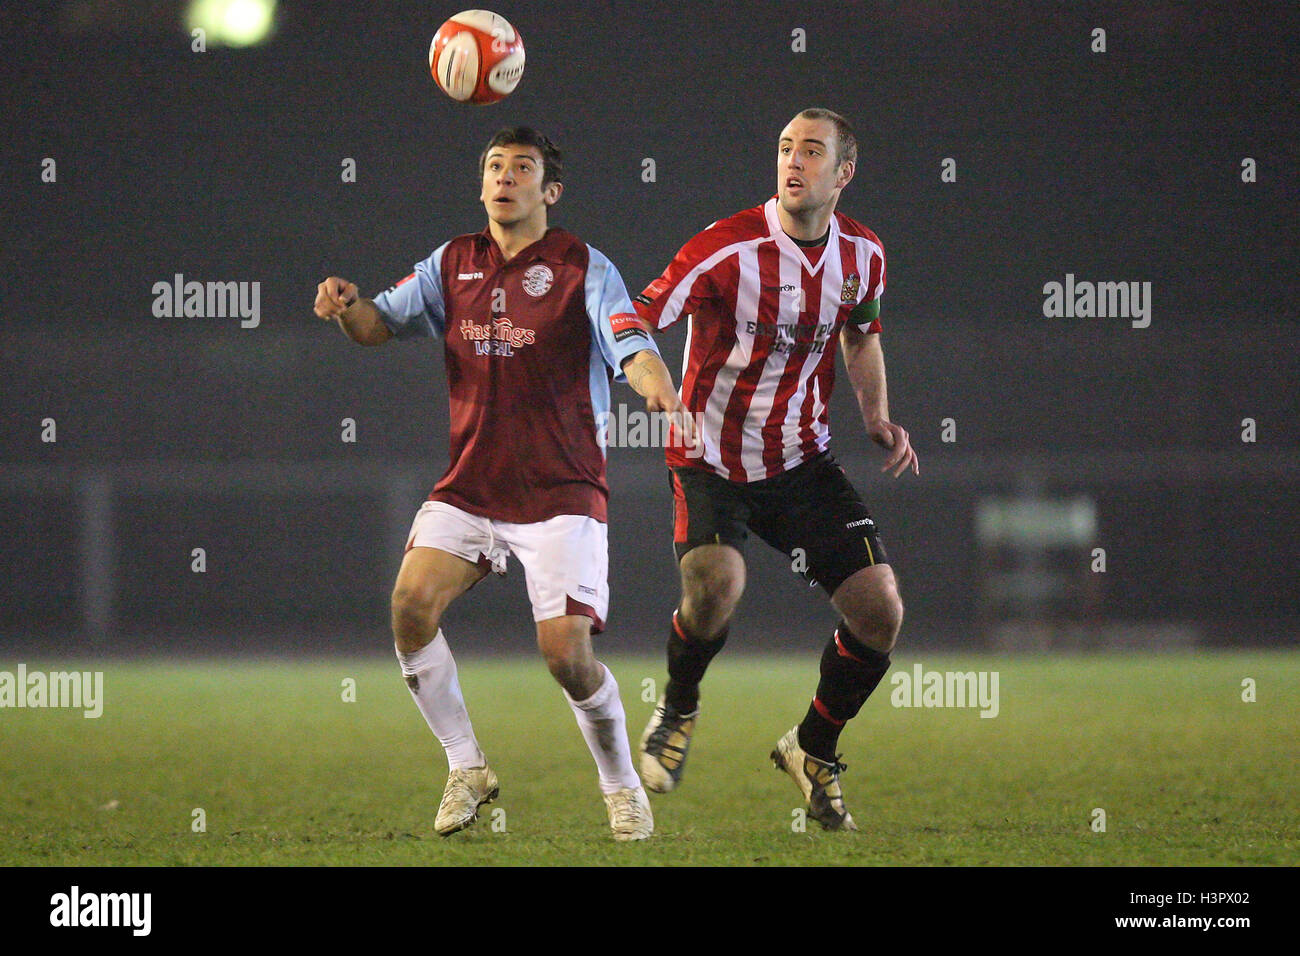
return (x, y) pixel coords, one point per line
(846, 141)
(552, 160)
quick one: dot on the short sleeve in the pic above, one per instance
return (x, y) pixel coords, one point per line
(866, 314)
(415, 307)
(616, 328)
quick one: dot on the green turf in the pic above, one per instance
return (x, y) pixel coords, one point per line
(288, 773)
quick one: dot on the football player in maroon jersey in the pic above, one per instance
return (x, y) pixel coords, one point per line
(533, 322)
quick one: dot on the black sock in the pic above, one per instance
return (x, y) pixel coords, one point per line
(818, 735)
(850, 671)
(688, 658)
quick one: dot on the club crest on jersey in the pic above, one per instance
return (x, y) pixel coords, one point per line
(849, 291)
(538, 280)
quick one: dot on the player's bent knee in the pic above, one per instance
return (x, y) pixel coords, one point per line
(414, 616)
(872, 607)
(565, 643)
(712, 583)
(567, 670)
(704, 615)
(561, 654)
(566, 648)
(713, 580)
(878, 628)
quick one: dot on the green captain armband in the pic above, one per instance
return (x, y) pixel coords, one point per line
(865, 312)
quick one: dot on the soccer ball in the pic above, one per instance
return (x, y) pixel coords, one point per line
(477, 57)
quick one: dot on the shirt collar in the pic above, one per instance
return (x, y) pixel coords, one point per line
(550, 248)
(776, 232)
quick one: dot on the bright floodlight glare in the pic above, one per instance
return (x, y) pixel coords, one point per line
(233, 22)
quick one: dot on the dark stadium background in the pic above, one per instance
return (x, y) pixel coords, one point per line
(182, 433)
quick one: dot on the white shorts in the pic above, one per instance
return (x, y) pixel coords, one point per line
(565, 558)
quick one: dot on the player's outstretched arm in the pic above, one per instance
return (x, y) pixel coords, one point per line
(338, 300)
(864, 359)
(650, 378)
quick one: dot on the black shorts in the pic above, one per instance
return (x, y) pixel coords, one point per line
(812, 513)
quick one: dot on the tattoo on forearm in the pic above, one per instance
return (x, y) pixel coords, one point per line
(637, 372)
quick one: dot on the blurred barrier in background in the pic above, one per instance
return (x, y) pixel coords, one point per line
(149, 554)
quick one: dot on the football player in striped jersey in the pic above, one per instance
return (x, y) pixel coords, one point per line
(769, 294)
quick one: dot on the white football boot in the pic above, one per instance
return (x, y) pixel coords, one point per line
(664, 746)
(817, 779)
(629, 814)
(466, 791)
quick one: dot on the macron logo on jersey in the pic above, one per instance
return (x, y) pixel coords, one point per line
(464, 276)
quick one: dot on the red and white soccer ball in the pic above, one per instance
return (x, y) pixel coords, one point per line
(477, 57)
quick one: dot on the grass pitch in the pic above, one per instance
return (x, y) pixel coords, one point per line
(286, 772)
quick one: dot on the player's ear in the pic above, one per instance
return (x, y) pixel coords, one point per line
(847, 169)
(551, 194)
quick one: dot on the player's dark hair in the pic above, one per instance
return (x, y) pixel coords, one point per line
(846, 141)
(552, 161)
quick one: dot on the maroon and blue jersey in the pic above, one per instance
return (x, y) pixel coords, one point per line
(531, 345)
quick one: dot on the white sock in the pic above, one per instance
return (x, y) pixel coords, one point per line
(431, 676)
(604, 727)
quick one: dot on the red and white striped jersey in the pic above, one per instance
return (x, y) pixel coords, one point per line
(765, 316)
